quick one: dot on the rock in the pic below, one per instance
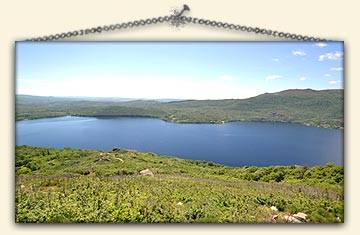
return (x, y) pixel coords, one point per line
(273, 208)
(146, 172)
(103, 159)
(296, 218)
(119, 159)
(300, 216)
(179, 203)
(273, 219)
(292, 219)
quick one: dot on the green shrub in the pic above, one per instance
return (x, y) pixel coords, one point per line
(77, 188)
(23, 170)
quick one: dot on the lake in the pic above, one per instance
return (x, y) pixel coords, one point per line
(233, 144)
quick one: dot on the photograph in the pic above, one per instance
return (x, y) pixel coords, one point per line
(128, 132)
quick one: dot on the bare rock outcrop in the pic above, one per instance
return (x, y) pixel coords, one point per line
(301, 216)
(296, 218)
(146, 172)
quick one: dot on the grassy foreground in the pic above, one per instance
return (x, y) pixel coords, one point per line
(76, 186)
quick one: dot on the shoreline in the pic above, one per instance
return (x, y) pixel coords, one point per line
(179, 158)
(185, 122)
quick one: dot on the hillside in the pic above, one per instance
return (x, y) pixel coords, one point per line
(322, 108)
(73, 185)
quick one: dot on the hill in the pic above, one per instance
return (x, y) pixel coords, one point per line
(73, 185)
(323, 108)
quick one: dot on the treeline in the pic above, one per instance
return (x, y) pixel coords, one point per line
(316, 108)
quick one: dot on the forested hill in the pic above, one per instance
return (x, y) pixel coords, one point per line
(323, 108)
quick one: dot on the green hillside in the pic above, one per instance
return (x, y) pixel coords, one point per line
(322, 108)
(74, 186)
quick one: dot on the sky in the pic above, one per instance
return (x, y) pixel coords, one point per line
(176, 70)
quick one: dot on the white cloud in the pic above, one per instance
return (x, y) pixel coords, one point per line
(321, 44)
(273, 77)
(336, 69)
(327, 75)
(275, 60)
(226, 78)
(331, 56)
(298, 53)
(302, 78)
(334, 82)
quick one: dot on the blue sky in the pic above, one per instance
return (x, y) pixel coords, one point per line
(181, 70)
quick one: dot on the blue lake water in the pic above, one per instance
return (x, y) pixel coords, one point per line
(233, 144)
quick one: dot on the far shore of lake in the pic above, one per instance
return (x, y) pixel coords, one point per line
(182, 121)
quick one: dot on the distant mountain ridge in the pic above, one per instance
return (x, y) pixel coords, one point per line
(87, 98)
(322, 108)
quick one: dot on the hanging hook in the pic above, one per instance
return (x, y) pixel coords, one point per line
(185, 8)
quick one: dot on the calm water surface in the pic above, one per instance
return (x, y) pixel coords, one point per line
(235, 144)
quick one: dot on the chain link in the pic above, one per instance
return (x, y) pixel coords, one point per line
(177, 20)
(237, 27)
(104, 28)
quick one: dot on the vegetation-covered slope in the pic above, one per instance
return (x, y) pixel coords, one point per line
(317, 108)
(72, 185)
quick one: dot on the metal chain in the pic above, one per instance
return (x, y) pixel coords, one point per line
(177, 19)
(249, 29)
(104, 28)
